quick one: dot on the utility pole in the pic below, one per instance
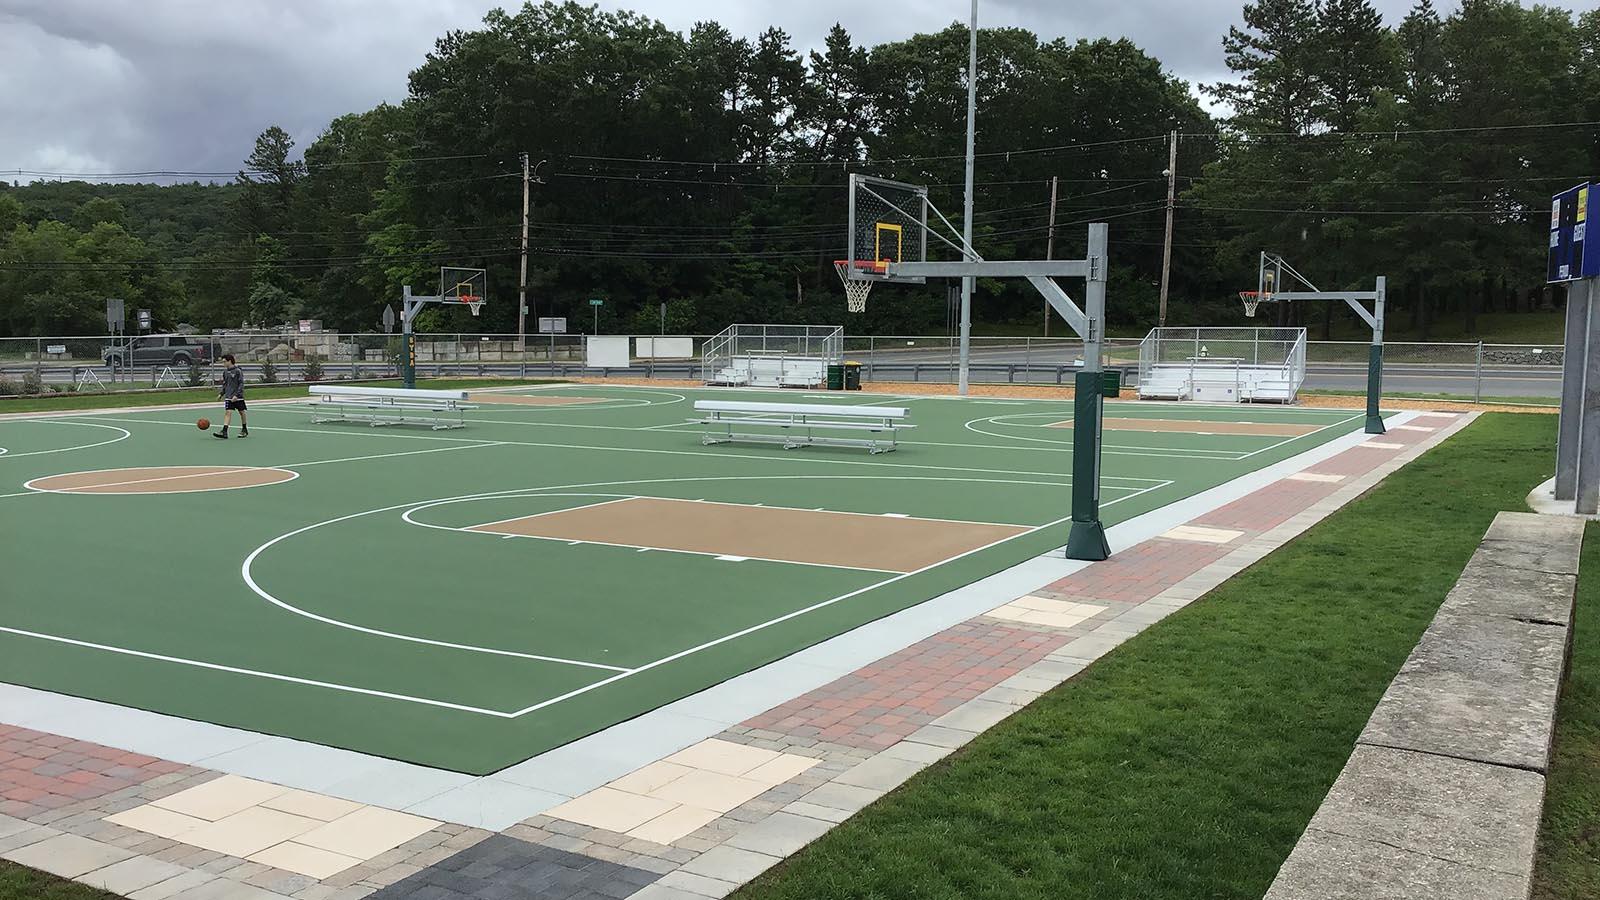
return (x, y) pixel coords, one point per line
(1166, 244)
(1050, 245)
(522, 278)
(968, 283)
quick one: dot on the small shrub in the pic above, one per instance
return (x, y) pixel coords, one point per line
(9, 388)
(196, 377)
(312, 368)
(58, 388)
(269, 371)
(32, 383)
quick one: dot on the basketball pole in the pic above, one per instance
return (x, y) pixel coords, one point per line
(969, 282)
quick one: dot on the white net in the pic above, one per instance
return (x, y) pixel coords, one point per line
(855, 289)
(1251, 300)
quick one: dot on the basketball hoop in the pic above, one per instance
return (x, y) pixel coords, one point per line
(1252, 299)
(473, 302)
(856, 288)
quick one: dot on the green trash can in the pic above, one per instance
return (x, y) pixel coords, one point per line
(1111, 383)
(836, 378)
(852, 376)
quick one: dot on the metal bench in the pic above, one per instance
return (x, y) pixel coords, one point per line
(388, 406)
(797, 424)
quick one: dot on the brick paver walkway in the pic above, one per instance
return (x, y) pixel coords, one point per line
(879, 705)
(42, 772)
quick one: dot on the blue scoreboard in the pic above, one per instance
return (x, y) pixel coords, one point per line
(1571, 212)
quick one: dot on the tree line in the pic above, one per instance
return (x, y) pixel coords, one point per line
(690, 180)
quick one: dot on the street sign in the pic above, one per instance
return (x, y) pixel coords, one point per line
(1572, 257)
(597, 302)
(144, 319)
(114, 314)
(388, 319)
(553, 326)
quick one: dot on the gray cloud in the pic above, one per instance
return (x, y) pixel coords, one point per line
(118, 85)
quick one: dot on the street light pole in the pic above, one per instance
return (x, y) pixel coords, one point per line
(969, 282)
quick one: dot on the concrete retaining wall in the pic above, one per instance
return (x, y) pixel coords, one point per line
(1443, 794)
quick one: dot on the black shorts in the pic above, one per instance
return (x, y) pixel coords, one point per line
(233, 404)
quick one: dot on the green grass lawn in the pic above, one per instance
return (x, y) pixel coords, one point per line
(1187, 762)
(22, 883)
(53, 402)
(1569, 842)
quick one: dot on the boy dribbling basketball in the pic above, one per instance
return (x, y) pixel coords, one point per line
(232, 394)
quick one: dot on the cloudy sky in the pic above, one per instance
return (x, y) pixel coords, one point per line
(134, 85)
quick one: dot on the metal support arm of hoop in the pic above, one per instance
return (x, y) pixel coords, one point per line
(1274, 269)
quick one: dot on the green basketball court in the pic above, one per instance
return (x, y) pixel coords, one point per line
(573, 558)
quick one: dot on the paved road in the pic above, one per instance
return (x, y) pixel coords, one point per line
(1001, 365)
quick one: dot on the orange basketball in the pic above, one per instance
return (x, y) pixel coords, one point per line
(203, 424)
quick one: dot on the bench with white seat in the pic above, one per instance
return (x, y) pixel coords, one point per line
(388, 406)
(797, 424)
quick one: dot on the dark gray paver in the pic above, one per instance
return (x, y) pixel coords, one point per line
(505, 868)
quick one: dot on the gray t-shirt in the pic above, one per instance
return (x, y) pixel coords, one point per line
(233, 383)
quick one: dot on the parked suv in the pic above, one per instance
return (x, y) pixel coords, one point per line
(160, 350)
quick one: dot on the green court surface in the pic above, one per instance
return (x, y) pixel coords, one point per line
(468, 599)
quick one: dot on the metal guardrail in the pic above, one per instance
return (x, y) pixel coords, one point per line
(1473, 370)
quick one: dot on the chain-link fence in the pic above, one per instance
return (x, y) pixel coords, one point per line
(1469, 371)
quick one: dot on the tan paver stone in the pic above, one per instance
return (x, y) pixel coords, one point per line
(675, 824)
(721, 756)
(613, 810)
(157, 821)
(311, 805)
(221, 797)
(304, 860)
(250, 831)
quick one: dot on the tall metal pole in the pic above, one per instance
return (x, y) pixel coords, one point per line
(1375, 361)
(1574, 353)
(1050, 245)
(522, 277)
(969, 282)
(1166, 244)
(1087, 539)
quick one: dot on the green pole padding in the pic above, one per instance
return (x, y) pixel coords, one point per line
(1375, 390)
(408, 361)
(1088, 538)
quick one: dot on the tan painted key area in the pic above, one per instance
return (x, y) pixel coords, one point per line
(162, 480)
(850, 540)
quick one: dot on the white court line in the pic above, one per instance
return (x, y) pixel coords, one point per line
(621, 673)
(124, 436)
(694, 453)
(787, 616)
(324, 462)
(1344, 421)
(1064, 446)
(256, 673)
(488, 525)
(487, 528)
(575, 543)
(249, 579)
(219, 470)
